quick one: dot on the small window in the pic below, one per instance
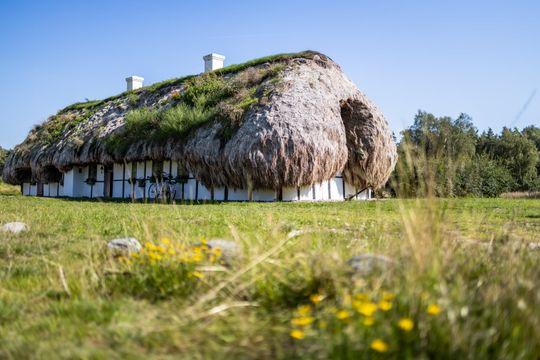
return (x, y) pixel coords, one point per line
(133, 170)
(183, 175)
(157, 169)
(92, 171)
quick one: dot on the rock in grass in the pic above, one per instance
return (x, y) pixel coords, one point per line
(229, 249)
(124, 246)
(15, 227)
(369, 264)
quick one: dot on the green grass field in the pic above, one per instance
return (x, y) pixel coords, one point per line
(463, 282)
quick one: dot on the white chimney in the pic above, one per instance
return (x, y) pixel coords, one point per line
(134, 82)
(213, 62)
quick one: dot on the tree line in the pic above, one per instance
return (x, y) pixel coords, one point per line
(449, 157)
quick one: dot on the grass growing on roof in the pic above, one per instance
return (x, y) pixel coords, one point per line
(204, 94)
(205, 98)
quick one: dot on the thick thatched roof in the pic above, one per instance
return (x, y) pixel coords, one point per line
(285, 120)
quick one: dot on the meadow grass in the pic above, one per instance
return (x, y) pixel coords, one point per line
(464, 281)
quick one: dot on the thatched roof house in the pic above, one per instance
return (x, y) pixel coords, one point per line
(285, 121)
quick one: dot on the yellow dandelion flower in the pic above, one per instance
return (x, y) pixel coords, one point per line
(343, 315)
(433, 309)
(198, 274)
(302, 321)
(171, 251)
(406, 324)
(361, 297)
(379, 345)
(368, 321)
(365, 308)
(385, 305)
(316, 298)
(165, 241)
(388, 296)
(149, 245)
(297, 334)
(304, 310)
(134, 255)
(196, 257)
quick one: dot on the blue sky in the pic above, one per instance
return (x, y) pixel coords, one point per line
(446, 57)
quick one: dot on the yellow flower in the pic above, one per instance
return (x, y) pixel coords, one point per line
(165, 241)
(406, 324)
(368, 321)
(379, 345)
(297, 334)
(385, 305)
(196, 257)
(171, 251)
(343, 314)
(365, 308)
(388, 296)
(302, 321)
(198, 274)
(304, 310)
(433, 309)
(361, 297)
(316, 298)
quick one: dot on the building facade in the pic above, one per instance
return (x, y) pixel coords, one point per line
(135, 181)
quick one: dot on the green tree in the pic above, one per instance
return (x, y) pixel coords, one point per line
(3, 156)
(431, 152)
(519, 154)
(446, 157)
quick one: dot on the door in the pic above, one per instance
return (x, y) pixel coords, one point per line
(39, 190)
(108, 182)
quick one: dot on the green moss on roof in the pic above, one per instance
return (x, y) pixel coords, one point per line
(177, 81)
(234, 105)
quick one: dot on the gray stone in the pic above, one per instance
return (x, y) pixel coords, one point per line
(123, 246)
(369, 264)
(15, 227)
(229, 249)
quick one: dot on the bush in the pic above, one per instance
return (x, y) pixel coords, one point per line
(484, 178)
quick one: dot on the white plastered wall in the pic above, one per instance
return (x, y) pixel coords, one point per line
(74, 186)
(26, 189)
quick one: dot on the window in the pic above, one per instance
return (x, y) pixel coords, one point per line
(92, 172)
(183, 175)
(133, 171)
(157, 169)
